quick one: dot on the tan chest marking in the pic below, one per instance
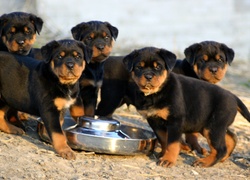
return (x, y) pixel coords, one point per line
(151, 112)
(62, 103)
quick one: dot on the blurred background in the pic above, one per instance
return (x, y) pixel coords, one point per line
(169, 24)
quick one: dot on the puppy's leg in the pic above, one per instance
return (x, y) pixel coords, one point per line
(217, 148)
(169, 152)
(14, 118)
(192, 140)
(77, 109)
(89, 96)
(52, 121)
(231, 140)
(5, 126)
(184, 146)
(170, 144)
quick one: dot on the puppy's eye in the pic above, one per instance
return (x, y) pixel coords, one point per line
(158, 67)
(78, 57)
(11, 32)
(220, 60)
(203, 60)
(106, 38)
(89, 38)
(138, 68)
(27, 32)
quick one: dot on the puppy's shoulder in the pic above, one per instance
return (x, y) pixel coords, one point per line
(36, 54)
(183, 67)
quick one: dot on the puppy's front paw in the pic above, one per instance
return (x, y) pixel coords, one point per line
(11, 129)
(67, 153)
(165, 162)
(204, 162)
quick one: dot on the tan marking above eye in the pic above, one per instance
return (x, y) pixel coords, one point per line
(26, 29)
(142, 64)
(155, 64)
(205, 57)
(104, 34)
(217, 57)
(92, 35)
(13, 29)
(62, 53)
(75, 53)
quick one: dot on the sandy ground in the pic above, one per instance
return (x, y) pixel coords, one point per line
(27, 157)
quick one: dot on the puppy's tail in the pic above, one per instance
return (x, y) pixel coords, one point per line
(243, 109)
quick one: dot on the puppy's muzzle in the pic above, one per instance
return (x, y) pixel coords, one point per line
(20, 42)
(100, 46)
(213, 70)
(70, 65)
(148, 76)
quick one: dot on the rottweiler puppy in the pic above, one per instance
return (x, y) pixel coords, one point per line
(174, 104)
(208, 61)
(99, 36)
(18, 33)
(43, 88)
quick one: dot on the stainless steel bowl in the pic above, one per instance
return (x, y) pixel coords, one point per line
(124, 140)
(98, 124)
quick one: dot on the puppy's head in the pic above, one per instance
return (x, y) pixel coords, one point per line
(149, 68)
(18, 31)
(67, 59)
(97, 35)
(209, 60)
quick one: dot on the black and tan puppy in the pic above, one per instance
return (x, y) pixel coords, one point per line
(18, 33)
(43, 88)
(99, 36)
(208, 61)
(174, 104)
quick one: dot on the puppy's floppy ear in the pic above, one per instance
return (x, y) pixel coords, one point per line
(86, 50)
(76, 31)
(129, 59)
(47, 49)
(3, 20)
(228, 52)
(114, 31)
(169, 58)
(190, 53)
(38, 23)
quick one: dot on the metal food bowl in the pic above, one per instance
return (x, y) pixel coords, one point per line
(105, 136)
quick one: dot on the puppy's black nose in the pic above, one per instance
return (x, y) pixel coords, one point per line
(20, 42)
(70, 65)
(148, 76)
(100, 47)
(213, 70)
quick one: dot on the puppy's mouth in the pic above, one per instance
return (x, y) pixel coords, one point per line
(100, 58)
(23, 52)
(210, 77)
(70, 78)
(213, 79)
(20, 51)
(148, 88)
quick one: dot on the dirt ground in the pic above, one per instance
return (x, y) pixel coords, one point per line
(27, 157)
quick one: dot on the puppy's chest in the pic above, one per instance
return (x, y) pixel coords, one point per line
(92, 76)
(67, 98)
(162, 113)
(63, 103)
